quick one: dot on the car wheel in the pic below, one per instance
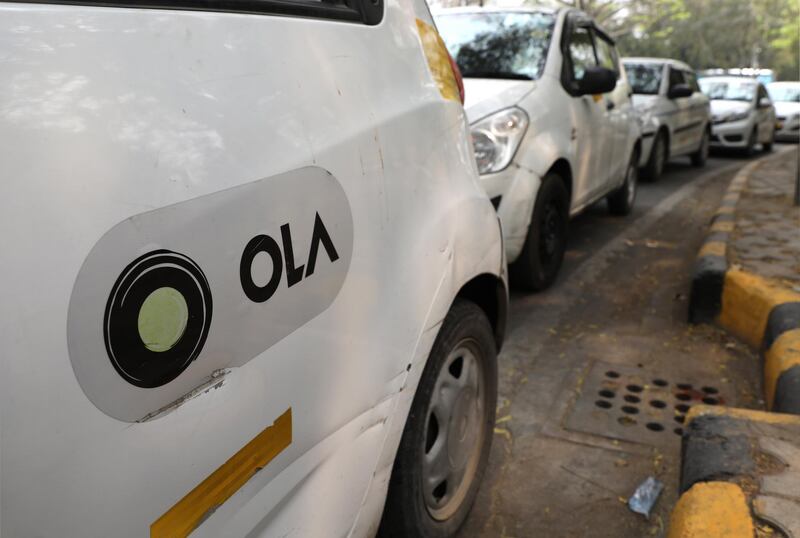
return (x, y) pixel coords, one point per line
(540, 260)
(751, 143)
(620, 202)
(658, 157)
(448, 433)
(700, 156)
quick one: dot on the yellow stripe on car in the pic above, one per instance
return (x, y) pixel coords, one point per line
(180, 520)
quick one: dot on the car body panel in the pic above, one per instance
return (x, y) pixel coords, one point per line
(580, 131)
(683, 121)
(116, 113)
(787, 114)
(735, 134)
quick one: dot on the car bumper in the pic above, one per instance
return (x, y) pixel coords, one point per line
(788, 130)
(731, 135)
(513, 192)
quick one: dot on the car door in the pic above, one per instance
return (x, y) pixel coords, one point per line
(680, 112)
(618, 107)
(286, 159)
(589, 115)
(698, 113)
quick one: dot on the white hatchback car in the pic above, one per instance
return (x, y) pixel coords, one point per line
(786, 98)
(675, 115)
(552, 124)
(251, 280)
(742, 113)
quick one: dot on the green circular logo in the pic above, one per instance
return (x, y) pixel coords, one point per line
(162, 319)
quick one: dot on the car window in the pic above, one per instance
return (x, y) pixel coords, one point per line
(498, 45)
(645, 79)
(691, 80)
(606, 54)
(675, 78)
(784, 93)
(581, 51)
(723, 90)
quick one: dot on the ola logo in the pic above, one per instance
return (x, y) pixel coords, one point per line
(157, 318)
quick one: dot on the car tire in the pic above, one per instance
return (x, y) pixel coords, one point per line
(460, 381)
(750, 149)
(543, 252)
(658, 158)
(620, 202)
(700, 156)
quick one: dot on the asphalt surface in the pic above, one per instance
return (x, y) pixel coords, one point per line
(566, 458)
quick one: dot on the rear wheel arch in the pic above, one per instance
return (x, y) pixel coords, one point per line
(489, 293)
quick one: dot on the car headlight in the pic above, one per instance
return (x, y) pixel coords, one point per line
(736, 116)
(497, 137)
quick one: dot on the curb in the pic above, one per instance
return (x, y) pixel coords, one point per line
(738, 469)
(763, 313)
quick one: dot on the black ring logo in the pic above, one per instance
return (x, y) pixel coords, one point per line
(175, 282)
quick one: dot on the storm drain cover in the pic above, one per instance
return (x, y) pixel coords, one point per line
(633, 405)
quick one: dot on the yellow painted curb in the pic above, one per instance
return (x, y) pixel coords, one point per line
(726, 210)
(783, 354)
(747, 300)
(765, 417)
(722, 226)
(713, 248)
(712, 510)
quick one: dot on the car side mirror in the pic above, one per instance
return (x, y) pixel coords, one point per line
(764, 102)
(680, 90)
(597, 80)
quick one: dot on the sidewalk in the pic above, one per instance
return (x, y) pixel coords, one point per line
(766, 237)
(740, 474)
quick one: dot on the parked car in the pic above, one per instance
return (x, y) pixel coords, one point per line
(786, 98)
(742, 113)
(251, 282)
(675, 115)
(552, 124)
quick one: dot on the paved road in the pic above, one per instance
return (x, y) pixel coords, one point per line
(565, 455)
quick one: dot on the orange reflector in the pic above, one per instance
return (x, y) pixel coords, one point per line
(180, 520)
(438, 61)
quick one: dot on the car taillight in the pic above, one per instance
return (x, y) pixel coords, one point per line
(457, 75)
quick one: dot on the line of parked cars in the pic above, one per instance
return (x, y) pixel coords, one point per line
(254, 283)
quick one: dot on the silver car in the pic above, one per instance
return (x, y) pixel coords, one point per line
(675, 114)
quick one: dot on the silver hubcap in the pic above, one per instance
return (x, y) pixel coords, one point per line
(454, 431)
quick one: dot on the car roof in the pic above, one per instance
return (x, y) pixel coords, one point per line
(648, 60)
(726, 78)
(493, 9)
(785, 83)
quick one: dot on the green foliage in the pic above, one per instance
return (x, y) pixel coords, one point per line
(713, 33)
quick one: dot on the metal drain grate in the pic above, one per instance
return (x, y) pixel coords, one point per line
(633, 405)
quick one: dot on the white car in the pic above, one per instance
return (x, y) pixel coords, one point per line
(786, 98)
(251, 282)
(552, 124)
(675, 115)
(742, 114)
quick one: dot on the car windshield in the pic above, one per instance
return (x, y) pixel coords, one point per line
(728, 91)
(785, 94)
(644, 79)
(498, 45)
